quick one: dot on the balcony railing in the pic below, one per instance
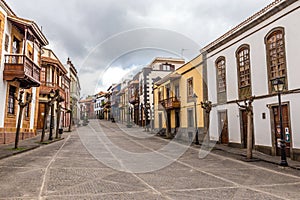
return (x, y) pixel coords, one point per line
(46, 87)
(21, 68)
(170, 103)
(134, 99)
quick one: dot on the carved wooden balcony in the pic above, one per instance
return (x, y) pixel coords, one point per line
(171, 103)
(21, 68)
(46, 87)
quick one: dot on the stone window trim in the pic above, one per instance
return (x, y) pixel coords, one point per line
(276, 56)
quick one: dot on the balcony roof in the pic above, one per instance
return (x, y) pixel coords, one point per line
(33, 28)
(170, 77)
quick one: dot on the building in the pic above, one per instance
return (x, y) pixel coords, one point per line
(53, 77)
(157, 69)
(20, 54)
(133, 95)
(176, 97)
(100, 101)
(244, 63)
(87, 108)
(74, 92)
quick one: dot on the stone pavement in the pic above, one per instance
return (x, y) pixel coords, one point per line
(85, 165)
(7, 150)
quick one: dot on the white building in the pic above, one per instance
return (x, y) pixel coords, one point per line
(243, 63)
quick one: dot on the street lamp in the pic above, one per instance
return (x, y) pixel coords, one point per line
(196, 127)
(278, 85)
(51, 95)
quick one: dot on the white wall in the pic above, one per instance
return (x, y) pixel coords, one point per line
(255, 38)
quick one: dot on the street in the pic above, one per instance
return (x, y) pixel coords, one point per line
(105, 161)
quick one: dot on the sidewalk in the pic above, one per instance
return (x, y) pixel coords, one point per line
(257, 156)
(7, 150)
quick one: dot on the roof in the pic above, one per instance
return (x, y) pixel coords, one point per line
(163, 59)
(56, 61)
(170, 77)
(260, 16)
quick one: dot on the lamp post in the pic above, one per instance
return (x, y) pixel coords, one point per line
(52, 95)
(195, 97)
(278, 85)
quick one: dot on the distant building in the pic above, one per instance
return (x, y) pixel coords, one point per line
(74, 91)
(157, 69)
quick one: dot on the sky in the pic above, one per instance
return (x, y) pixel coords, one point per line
(108, 40)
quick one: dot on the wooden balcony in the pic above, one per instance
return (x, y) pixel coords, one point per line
(134, 99)
(170, 103)
(21, 68)
(46, 87)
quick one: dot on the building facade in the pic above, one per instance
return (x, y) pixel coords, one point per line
(53, 77)
(21, 43)
(177, 101)
(244, 63)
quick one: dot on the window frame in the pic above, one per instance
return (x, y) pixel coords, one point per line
(224, 88)
(11, 101)
(244, 90)
(283, 76)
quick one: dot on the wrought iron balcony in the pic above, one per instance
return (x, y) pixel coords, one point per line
(21, 68)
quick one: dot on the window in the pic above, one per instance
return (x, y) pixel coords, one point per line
(11, 100)
(221, 74)
(275, 47)
(244, 71)
(177, 91)
(6, 44)
(27, 110)
(190, 90)
(190, 118)
(244, 66)
(167, 67)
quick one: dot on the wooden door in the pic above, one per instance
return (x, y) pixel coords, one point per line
(41, 115)
(286, 129)
(223, 127)
(244, 128)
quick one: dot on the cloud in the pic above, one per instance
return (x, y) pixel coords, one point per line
(75, 27)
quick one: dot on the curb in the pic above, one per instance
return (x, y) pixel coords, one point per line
(29, 149)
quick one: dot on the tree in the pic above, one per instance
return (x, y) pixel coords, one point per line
(22, 106)
(207, 105)
(249, 110)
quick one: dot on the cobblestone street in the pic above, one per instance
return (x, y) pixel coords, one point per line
(86, 165)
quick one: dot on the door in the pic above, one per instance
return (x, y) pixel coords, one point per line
(160, 121)
(223, 127)
(244, 128)
(169, 122)
(41, 115)
(286, 128)
(177, 120)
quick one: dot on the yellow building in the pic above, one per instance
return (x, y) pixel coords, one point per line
(175, 98)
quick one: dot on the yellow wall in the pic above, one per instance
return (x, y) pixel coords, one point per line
(196, 74)
(191, 69)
